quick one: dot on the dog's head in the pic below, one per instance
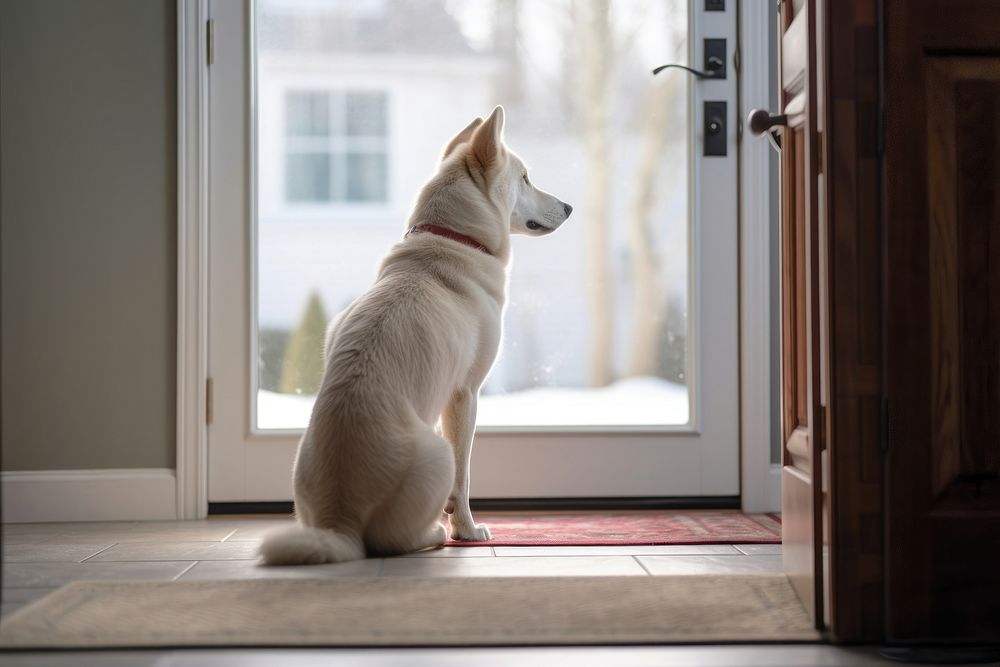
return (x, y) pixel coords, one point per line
(503, 178)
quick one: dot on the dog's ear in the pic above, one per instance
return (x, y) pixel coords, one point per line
(462, 137)
(487, 139)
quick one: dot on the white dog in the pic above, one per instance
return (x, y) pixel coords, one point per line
(372, 475)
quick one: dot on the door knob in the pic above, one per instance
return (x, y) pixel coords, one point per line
(760, 121)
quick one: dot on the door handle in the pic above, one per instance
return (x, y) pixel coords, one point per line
(714, 62)
(761, 121)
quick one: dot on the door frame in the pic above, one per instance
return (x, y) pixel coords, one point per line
(760, 476)
(759, 483)
(192, 259)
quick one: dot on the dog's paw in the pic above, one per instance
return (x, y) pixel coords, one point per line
(440, 536)
(477, 533)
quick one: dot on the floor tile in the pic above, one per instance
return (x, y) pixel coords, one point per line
(24, 575)
(673, 565)
(542, 566)
(256, 530)
(44, 553)
(16, 598)
(117, 531)
(30, 538)
(23, 595)
(8, 608)
(452, 552)
(57, 527)
(663, 550)
(158, 551)
(250, 518)
(81, 538)
(759, 549)
(221, 570)
(195, 533)
(190, 524)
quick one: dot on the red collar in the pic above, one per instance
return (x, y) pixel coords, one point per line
(450, 234)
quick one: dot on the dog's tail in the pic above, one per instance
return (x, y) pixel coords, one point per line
(298, 545)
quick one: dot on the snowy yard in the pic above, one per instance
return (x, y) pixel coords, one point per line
(644, 401)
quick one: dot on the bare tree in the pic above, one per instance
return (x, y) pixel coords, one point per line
(664, 99)
(509, 84)
(648, 299)
(592, 27)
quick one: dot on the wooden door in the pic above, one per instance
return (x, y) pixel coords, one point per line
(942, 208)
(802, 311)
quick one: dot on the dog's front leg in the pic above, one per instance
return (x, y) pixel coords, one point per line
(459, 424)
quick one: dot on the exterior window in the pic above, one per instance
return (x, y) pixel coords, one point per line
(336, 147)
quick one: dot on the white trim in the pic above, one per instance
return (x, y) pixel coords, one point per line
(761, 490)
(192, 260)
(135, 494)
(773, 489)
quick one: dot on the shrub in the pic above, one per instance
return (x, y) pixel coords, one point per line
(302, 370)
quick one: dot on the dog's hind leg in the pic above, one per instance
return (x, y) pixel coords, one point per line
(410, 520)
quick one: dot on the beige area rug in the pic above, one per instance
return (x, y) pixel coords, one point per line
(397, 611)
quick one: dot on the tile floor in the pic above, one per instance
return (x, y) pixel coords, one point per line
(38, 558)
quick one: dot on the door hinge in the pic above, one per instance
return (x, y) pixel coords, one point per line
(209, 401)
(883, 426)
(819, 429)
(210, 42)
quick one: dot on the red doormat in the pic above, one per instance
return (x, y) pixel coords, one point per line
(628, 528)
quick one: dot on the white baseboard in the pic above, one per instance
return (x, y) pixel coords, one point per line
(767, 494)
(774, 488)
(130, 494)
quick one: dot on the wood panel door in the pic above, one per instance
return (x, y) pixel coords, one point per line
(942, 207)
(802, 311)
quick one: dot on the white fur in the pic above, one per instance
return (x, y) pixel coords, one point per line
(371, 475)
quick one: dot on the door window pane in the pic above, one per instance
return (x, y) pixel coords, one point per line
(597, 318)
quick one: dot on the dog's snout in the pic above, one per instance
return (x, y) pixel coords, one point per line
(567, 208)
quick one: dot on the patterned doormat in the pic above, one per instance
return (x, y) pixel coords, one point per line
(649, 527)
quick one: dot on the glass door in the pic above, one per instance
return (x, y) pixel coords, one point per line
(618, 369)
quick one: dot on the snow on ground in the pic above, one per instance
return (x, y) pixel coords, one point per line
(642, 401)
(634, 401)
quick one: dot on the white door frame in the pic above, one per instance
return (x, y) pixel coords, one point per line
(192, 259)
(520, 453)
(761, 480)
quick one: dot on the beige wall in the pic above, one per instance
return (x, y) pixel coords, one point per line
(88, 232)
